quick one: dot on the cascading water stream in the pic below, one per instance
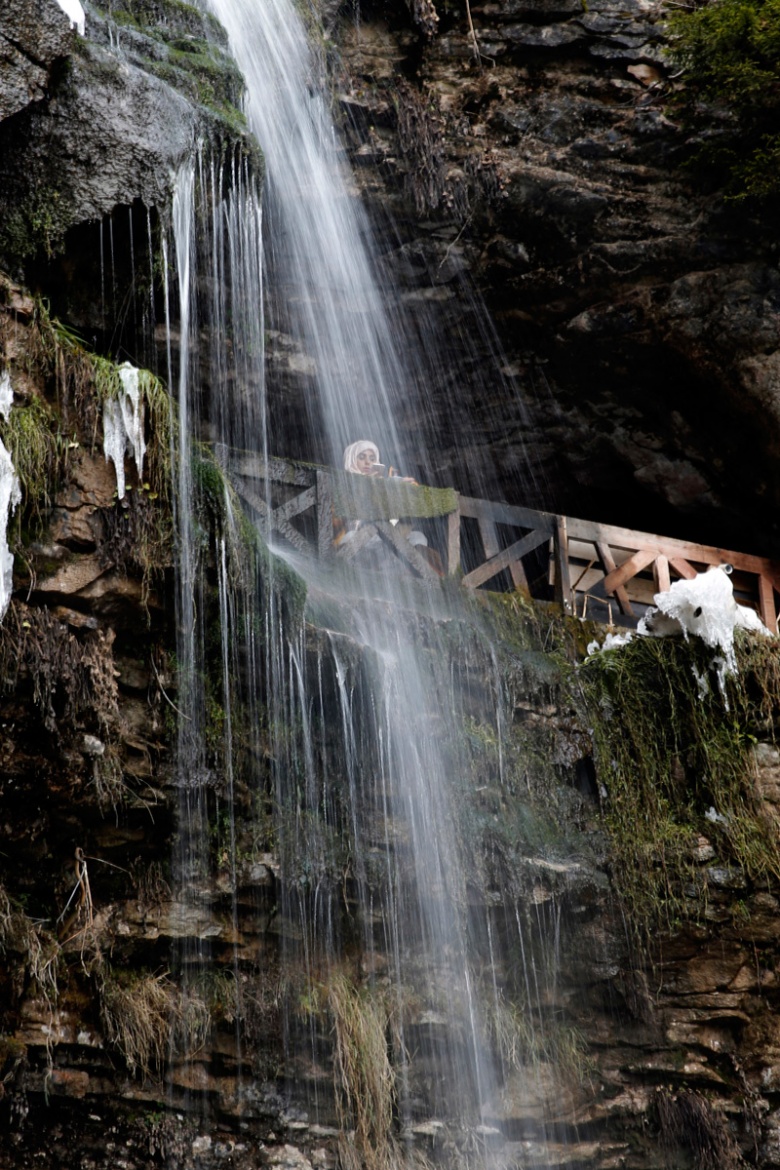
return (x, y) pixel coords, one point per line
(362, 730)
(323, 274)
(326, 292)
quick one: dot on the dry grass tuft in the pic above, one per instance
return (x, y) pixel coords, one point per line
(147, 1017)
(38, 950)
(363, 1075)
(688, 1121)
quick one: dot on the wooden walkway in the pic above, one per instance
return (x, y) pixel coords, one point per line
(592, 570)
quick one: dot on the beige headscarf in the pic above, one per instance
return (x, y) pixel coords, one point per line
(355, 449)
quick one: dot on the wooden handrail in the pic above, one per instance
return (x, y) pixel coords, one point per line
(586, 559)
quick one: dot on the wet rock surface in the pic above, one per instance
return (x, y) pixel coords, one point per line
(637, 316)
(34, 34)
(637, 313)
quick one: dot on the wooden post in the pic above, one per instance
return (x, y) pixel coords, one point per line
(562, 577)
(663, 581)
(766, 602)
(324, 516)
(453, 543)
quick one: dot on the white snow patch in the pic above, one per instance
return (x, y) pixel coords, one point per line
(704, 606)
(6, 394)
(10, 496)
(611, 642)
(123, 426)
(74, 10)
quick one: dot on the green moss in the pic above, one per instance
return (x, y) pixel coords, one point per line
(361, 497)
(195, 61)
(249, 559)
(729, 52)
(32, 437)
(675, 764)
(139, 529)
(33, 226)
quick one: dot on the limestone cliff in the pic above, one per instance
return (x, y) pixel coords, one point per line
(533, 156)
(537, 146)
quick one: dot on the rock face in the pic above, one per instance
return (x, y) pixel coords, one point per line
(35, 34)
(638, 314)
(685, 1047)
(534, 157)
(93, 131)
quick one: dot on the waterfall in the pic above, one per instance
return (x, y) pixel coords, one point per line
(351, 716)
(322, 269)
(325, 288)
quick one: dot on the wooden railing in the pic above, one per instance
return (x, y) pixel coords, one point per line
(593, 570)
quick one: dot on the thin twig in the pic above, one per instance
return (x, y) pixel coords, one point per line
(474, 41)
(165, 694)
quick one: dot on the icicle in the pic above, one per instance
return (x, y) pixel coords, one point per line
(10, 496)
(74, 10)
(123, 426)
(6, 394)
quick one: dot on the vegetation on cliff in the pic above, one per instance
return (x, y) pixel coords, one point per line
(675, 760)
(729, 51)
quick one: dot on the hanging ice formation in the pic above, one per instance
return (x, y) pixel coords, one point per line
(74, 10)
(10, 497)
(123, 426)
(703, 606)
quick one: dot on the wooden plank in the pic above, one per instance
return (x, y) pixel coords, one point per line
(670, 547)
(506, 514)
(282, 526)
(639, 590)
(515, 551)
(294, 507)
(324, 516)
(608, 562)
(629, 569)
(285, 529)
(517, 573)
(277, 470)
(453, 544)
(406, 551)
(682, 566)
(663, 581)
(252, 498)
(766, 603)
(489, 533)
(563, 594)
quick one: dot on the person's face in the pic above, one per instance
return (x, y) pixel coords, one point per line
(365, 462)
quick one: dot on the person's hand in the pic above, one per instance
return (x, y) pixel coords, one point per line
(408, 479)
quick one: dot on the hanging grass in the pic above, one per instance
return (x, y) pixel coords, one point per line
(147, 1016)
(363, 1076)
(32, 438)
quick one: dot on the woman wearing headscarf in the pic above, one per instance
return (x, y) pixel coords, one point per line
(362, 458)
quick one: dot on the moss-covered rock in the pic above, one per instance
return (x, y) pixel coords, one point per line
(122, 109)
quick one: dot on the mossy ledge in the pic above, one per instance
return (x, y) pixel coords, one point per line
(675, 761)
(187, 48)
